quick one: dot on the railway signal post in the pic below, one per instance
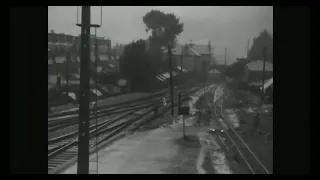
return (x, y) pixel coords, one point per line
(83, 138)
(263, 74)
(171, 78)
(68, 58)
(85, 68)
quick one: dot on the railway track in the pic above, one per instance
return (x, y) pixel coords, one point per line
(63, 150)
(75, 111)
(70, 120)
(234, 142)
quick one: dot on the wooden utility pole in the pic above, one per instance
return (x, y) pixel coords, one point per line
(248, 48)
(85, 66)
(210, 60)
(225, 56)
(263, 73)
(181, 60)
(68, 57)
(171, 79)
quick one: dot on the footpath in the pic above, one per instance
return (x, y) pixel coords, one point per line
(164, 150)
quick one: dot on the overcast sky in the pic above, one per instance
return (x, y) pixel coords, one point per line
(226, 26)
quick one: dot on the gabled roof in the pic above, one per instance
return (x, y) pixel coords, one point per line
(193, 50)
(164, 76)
(183, 70)
(268, 83)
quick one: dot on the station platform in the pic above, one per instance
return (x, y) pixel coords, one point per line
(162, 151)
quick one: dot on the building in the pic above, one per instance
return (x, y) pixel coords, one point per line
(60, 43)
(191, 57)
(250, 72)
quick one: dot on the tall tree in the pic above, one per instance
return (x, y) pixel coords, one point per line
(164, 29)
(135, 66)
(264, 39)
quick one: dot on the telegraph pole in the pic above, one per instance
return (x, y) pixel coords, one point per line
(248, 47)
(210, 59)
(225, 56)
(263, 73)
(171, 79)
(83, 138)
(68, 57)
(97, 58)
(181, 60)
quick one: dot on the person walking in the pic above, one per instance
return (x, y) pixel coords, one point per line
(256, 123)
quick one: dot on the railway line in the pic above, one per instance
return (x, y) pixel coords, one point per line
(63, 150)
(74, 112)
(232, 141)
(56, 123)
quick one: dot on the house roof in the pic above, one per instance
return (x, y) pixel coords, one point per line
(183, 70)
(267, 83)
(166, 75)
(194, 50)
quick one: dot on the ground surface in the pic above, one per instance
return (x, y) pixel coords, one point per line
(259, 140)
(163, 150)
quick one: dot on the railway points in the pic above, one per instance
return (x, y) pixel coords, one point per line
(63, 149)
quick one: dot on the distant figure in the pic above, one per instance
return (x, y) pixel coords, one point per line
(207, 117)
(93, 107)
(59, 81)
(198, 117)
(156, 106)
(203, 115)
(164, 101)
(256, 123)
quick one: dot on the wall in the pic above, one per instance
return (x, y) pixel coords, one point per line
(188, 62)
(61, 42)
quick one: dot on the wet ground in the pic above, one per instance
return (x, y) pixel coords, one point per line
(258, 138)
(164, 150)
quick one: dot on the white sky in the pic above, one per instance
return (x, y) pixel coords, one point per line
(226, 26)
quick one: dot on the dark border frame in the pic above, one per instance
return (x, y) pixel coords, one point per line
(28, 69)
(28, 111)
(292, 94)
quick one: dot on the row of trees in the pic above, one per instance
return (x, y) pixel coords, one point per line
(238, 70)
(256, 52)
(264, 39)
(142, 59)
